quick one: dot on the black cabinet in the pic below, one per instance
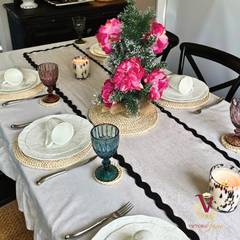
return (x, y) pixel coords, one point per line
(7, 189)
(48, 23)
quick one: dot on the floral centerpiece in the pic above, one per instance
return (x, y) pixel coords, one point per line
(132, 42)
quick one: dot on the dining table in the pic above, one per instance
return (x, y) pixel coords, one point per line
(164, 168)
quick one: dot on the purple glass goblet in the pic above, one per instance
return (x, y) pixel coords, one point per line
(48, 73)
(234, 138)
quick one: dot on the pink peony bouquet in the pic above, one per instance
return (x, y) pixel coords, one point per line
(132, 42)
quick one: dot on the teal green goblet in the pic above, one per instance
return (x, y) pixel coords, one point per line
(105, 139)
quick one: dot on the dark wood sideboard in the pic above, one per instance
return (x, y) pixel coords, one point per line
(7, 189)
(48, 23)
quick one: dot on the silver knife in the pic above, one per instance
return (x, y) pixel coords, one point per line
(78, 164)
(25, 124)
(20, 100)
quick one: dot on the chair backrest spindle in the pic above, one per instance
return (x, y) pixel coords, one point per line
(188, 50)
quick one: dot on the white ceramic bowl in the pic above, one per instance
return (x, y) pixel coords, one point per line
(13, 76)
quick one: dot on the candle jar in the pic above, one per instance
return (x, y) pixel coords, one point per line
(81, 67)
(224, 187)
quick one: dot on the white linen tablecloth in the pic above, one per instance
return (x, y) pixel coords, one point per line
(170, 159)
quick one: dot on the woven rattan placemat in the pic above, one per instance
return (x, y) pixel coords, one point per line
(183, 105)
(127, 126)
(23, 94)
(48, 164)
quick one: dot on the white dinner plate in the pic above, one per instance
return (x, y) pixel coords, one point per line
(124, 227)
(97, 51)
(199, 91)
(31, 140)
(30, 80)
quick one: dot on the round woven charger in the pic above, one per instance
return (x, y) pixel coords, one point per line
(49, 104)
(24, 94)
(183, 105)
(116, 180)
(127, 126)
(229, 146)
(48, 164)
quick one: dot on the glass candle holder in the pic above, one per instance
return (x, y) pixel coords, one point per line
(224, 187)
(81, 67)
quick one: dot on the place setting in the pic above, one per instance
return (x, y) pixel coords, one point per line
(184, 92)
(132, 227)
(17, 83)
(63, 141)
(46, 76)
(54, 142)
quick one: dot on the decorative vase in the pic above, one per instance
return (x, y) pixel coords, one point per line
(146, 107)
(28, 4)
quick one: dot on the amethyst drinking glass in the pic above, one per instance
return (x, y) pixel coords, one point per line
(234, 138)
(48, 73)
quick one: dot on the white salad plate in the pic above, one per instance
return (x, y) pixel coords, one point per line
(199, 91)
(97, 51)
(30, 80)
(31, 140)
(125, 227)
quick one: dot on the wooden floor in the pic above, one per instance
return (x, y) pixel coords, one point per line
(12, 223)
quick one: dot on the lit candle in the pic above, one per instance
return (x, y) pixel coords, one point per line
(81, 66)
(224, 186)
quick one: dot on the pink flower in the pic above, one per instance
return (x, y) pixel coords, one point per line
(107, 91)
(108, 33)
(159, 81)
(162, 39)
(129, 74)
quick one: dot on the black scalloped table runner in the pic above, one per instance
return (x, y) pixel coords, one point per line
(155, 196)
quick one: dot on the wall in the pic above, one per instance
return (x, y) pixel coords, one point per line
(5, 37)
(210, 22)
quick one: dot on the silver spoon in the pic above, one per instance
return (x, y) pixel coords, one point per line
(205, 107)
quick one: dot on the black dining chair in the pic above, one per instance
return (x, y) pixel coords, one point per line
(188, 50)
(173, 41)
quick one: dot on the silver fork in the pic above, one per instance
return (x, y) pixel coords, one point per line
(117, 214)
